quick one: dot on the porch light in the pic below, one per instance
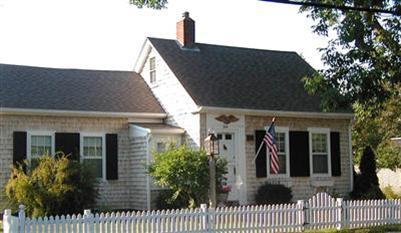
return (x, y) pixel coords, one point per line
(211, 144)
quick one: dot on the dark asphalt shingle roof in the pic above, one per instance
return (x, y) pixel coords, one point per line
(75, 90)
(233, 77)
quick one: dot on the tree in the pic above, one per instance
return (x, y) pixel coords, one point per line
(367, 182)
(376, 128)
(186, 172)
(154, 4)
(363, 60)
(55, 186)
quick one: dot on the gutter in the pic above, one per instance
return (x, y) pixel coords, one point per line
(278, 113)
(49, 112)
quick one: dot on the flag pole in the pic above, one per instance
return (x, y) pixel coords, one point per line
(261, 144)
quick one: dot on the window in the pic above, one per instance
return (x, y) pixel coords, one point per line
(282, 150)
(152, 69)
(93, 154)
(320, 155)
(40, 145)
(161, 147)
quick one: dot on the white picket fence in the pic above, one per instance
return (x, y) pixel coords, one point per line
(321, 211)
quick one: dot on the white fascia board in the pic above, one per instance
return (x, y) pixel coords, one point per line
(143, 54)
(167, 131)
(50, 112)
(255, 112)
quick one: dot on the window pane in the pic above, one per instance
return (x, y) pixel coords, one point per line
(280, 142)
(152, 63)
(41, 145)
(92, 147)
(320, 163)
(282, 164)
(319, 143)
(152, 76)
(95, 166)
(161, 147)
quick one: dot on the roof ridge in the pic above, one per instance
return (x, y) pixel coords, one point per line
(231, 46)
(65, 69)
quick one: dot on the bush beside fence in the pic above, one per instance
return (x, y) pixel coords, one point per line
(319, 212)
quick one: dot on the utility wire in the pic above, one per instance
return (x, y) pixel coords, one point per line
(339, 7)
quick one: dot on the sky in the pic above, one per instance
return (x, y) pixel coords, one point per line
(108, 34)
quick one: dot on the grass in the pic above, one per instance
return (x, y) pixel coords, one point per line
(375, 229)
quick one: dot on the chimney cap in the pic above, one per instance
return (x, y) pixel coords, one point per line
(185, 14)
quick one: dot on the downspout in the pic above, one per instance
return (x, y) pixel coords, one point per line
(148, 138)
(351, 167)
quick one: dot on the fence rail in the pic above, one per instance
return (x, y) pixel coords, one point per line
(321, 211)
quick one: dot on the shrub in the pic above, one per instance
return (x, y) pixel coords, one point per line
(165, 201)
(390, 194)
(186, 172)
(273, 194)
(367, 183)
(54, 186)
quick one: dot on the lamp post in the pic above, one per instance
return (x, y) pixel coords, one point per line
(212, 149)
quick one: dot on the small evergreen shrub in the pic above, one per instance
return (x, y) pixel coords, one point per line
(273, 194)
(366, 182)
(54, 186)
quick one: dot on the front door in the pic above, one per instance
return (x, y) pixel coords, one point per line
(227, 150)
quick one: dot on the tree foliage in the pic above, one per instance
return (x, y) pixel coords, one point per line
(154, 4)
(367, 183)
(186, 172)
(55, 186)
(375, 126)
(363, 60)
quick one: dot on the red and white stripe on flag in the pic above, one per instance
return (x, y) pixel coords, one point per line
(271, 146)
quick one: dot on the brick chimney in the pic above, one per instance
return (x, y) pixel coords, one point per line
(186, 31)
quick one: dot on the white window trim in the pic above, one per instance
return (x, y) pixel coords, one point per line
(320, 131)
(81, 149)
(152, 70)
(38, 133)
(285, 130)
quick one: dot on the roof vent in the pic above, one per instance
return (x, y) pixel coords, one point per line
(186, 31)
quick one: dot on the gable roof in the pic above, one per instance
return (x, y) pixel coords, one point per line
(29, 87)
(233, 77)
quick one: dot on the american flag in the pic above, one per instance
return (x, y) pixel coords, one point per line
(271, 146)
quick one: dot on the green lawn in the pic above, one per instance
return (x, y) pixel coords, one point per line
(377, 229)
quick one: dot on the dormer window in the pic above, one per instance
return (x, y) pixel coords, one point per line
(152, 69)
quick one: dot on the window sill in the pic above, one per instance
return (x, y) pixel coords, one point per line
(286, 181)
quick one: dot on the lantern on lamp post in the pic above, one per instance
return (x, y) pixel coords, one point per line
(211, 146)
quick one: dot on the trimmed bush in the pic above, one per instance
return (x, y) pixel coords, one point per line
(273, 194)
(367, 183)
(185, 171)
(54, 186)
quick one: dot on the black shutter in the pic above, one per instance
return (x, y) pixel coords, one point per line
(111, 157)
(261, 160)
(299, 153)
(68, 143)
(335, 153)
(19, 147)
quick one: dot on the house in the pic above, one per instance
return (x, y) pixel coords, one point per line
(178, 90)
(88, 114)
(236, 92)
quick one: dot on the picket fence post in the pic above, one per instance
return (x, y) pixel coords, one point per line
(205, 218)
(21, 218)
(7, 221)
(339, 213)
(88, 221)
(301, 215)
